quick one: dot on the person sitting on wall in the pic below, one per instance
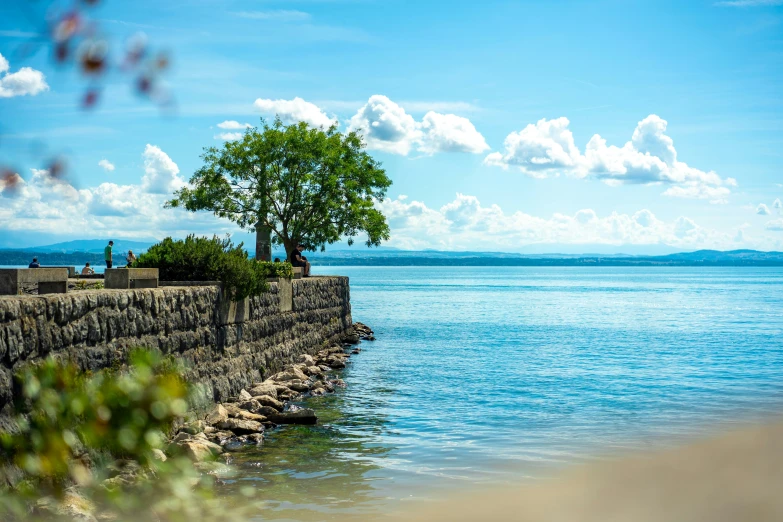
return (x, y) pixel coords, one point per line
(87, 270)
(34, 264)
(130, 258)
(297, 259)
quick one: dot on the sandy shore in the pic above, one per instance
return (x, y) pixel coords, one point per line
(734, 477)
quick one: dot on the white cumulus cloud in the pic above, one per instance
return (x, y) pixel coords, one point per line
(233, 125)
(644, 218)
(281, 15)
(585, 216)
(716, 195)
(293, 111)
(450, 133)
(750, 3)
(547, 147)
(106, 165)
(541, 147)
(777, 205)
(111, 199)
(24, 82)
(161, 174)
(763, 210)
(775, 225)
(228, 136)
(387, 126)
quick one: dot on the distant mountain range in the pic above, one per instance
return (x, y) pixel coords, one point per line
(89, 246)
(80, 251)
(72, 253)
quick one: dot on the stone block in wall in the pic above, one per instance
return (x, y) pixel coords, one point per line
(285, 294)
(320, 292)
(232, 312)
(71, 270)
(52, 287)
(54, 280)
(125, 278)
(189, 283)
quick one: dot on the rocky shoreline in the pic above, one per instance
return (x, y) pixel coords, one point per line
(242, 421)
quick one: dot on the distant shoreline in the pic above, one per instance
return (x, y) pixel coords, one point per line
(402, 258)
(503, 262)
(98, 264)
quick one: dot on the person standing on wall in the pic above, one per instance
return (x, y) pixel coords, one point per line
(107, 254)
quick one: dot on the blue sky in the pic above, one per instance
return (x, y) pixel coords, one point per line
(636, 126)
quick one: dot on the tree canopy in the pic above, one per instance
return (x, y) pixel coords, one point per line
(308, 185)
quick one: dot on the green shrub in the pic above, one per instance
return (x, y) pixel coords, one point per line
(204, 259)
(271, 269)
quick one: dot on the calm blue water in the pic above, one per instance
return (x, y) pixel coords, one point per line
(487, 375)
(483, 375)
(99, 269)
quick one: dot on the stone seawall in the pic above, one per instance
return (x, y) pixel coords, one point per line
(226, 346)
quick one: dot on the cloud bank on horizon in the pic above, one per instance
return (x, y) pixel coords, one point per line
(466, 224)
(45, 205)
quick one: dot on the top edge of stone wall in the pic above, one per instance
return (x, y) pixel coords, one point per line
(188, 283)
(166, 287)
(104, 291)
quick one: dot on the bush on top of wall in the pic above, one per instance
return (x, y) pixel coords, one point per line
(215, 259)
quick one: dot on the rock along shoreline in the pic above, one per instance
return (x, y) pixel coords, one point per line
(241, 421)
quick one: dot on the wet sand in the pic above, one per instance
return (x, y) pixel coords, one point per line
(733, 477)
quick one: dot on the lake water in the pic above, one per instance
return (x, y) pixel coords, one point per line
(99, 269)
(483, 375)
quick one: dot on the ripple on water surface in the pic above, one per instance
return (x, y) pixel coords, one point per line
(483, 375)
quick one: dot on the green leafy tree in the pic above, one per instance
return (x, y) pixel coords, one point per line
(308, 185)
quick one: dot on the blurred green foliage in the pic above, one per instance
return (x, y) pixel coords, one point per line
(70, 429)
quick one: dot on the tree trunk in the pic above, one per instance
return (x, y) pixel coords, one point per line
(263, 242)
(289, 245)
